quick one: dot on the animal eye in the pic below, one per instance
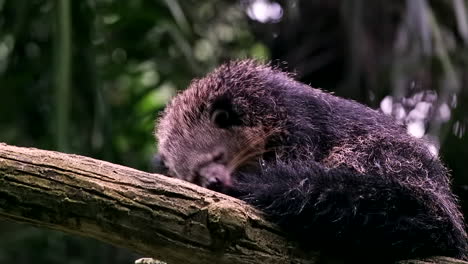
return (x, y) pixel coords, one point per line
(221, 118)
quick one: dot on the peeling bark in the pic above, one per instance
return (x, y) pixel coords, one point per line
(160, 217)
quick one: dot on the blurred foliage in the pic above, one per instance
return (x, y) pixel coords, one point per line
(90, 77)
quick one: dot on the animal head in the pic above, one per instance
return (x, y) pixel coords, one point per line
(220, 123)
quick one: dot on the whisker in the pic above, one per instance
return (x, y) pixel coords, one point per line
(243, 159)
(248, 146)
(249, 150)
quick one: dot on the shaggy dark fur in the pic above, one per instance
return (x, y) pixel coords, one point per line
(335, 174)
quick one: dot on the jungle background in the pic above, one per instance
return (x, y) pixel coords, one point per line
(90, 77)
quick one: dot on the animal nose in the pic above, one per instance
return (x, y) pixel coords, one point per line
(210, 166)
(214, 176)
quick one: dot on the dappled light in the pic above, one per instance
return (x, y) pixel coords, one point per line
(264, 11)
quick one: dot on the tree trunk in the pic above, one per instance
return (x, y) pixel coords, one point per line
(160, 217)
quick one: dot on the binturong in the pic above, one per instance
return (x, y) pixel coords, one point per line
(336, 175)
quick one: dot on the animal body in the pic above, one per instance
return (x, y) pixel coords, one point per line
(335, 174)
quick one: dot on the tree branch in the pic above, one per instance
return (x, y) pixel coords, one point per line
(157, 216)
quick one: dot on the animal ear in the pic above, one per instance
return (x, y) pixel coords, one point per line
(223, 114)
(221, 118)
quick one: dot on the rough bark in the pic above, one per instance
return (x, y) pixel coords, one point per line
(157, 216)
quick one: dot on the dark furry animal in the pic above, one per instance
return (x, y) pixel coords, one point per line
(333, 173)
